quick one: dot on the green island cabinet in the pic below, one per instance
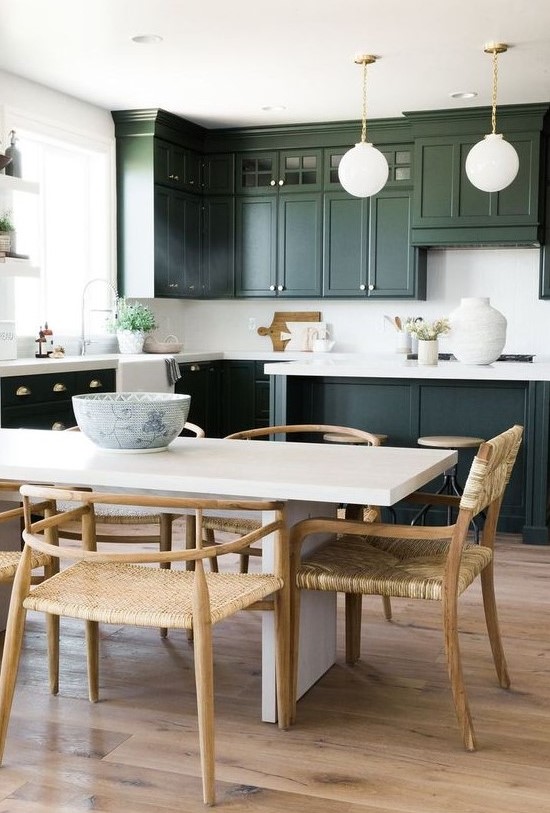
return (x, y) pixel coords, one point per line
(447, 208)
(175, 228)
(405, 409)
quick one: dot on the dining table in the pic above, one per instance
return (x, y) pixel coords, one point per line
(312, 479)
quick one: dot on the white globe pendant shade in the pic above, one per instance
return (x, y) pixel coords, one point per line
(492, 164)
(363, 170)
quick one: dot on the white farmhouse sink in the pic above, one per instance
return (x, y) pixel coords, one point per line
(139, 374)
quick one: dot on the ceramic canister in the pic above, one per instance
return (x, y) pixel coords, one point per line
(478, 331)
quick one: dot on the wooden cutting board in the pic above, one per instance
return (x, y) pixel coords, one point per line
(279, 324)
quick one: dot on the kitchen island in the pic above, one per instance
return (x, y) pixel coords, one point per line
(397, 397)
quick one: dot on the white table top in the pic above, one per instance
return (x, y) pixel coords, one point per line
(226, 468)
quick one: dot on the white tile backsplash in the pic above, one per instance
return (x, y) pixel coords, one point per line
(509, 276)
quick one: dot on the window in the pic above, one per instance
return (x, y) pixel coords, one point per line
(70, 238)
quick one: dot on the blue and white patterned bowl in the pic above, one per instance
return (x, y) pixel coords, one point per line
(131, 421)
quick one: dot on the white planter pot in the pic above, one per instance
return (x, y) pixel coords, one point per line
(428, 352)
(130, 341)
(478, 331)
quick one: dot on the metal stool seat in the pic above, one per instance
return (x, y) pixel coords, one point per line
(450, 484)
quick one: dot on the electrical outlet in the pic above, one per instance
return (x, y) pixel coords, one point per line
(251, 324)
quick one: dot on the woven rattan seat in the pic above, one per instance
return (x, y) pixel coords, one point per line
(430, 563)
(123, 589)
(9, 561)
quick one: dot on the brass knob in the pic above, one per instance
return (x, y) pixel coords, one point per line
(59, 388)
(194, 368)
(95, 384)
(58, 426)
(23, 391)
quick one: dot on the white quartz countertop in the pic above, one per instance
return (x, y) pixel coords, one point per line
(386, 366)
(349, 365)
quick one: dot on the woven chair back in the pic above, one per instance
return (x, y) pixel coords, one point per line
(491, 470)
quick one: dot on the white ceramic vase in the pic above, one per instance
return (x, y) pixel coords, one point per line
(130, 341)
(428, 352)
(478, 331)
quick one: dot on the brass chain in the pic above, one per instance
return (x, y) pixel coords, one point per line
(364, 120)
(495, 77)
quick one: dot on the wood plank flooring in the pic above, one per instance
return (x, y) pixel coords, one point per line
(380, 737)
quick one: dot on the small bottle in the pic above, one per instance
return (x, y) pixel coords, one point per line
(14, 167)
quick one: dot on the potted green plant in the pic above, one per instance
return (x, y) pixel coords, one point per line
(6, 230)
(131, 322)
(427, 334)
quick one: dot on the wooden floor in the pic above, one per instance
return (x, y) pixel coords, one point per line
(379, 737)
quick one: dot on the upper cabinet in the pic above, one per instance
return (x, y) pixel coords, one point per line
(285, 170)
(447, 208)
(177, 167)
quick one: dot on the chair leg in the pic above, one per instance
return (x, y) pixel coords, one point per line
(12, 647)
(52, 634)
(491, 619)
(204, 680)
(165, 544)
(282, 656)
(454, 668)
(243, 563)
(92, 651)
(386, 604)
(353, 627)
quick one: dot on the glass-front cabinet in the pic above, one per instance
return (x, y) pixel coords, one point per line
(268, 172)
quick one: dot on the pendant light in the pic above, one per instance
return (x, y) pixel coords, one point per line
(492, 164)
(363, 170)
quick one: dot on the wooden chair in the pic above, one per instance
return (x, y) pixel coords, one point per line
(112, 520)
(9, 559)
(234, 525)
(120, 588)
(416, 562)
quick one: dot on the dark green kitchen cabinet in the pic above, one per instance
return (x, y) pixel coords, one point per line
(218, 176)
(217, 274)
(245, 395)
(447, 208)
(398, 156)
(367, 248)
(177, 230)
(269, 172)
(177, 166)
(201, 380)
(278, 245)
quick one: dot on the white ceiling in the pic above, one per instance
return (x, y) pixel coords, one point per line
(221, 61)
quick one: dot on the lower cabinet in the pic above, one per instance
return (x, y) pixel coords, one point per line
(405, 409)
(43, 401)
(226, 396)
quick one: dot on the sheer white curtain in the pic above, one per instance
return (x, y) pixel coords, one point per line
(68, 231)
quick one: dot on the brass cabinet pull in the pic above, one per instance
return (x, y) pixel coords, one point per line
(58, 426)
(194, 368)
(59, 388)
(23, 391)
(95, 384)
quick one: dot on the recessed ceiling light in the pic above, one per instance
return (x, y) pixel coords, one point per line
(273, 108)
(463, 94)
(147, 39)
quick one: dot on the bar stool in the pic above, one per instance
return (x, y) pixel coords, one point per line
(450, 484)
(356, 511)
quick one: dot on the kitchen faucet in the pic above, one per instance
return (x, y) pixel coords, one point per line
(83, 340)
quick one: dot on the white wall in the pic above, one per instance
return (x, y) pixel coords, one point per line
(508, 276)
